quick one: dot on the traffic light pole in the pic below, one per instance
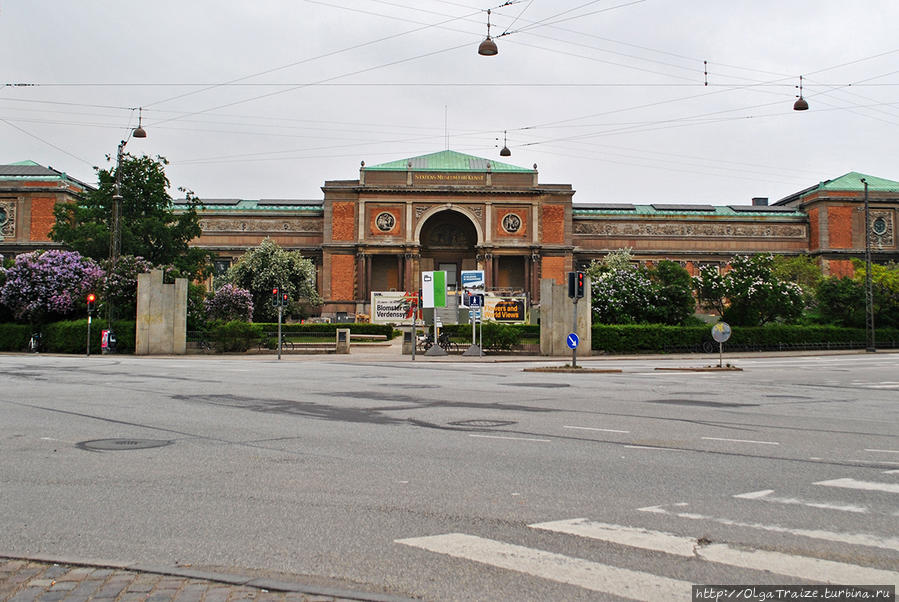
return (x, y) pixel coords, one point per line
(88, 334)
(280, 312)
(574, 330)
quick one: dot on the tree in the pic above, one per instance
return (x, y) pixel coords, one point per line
(674, 293)
(150, 228)
(885, 291)
(46, 285)
(268, 266)
(749, 294)
(120, 285)
(800, 269)
(230, 303)
(841, 301)
(623, 293)
(622, 296)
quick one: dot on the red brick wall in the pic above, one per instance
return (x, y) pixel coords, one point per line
(343, 277)
(555, 268)
(41, 218)
(343, 222)
(553, 224)
(839, 227)
(840, 268)
(814, 233)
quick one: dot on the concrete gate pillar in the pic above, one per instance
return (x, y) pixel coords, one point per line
(557, 319)
(161, 315)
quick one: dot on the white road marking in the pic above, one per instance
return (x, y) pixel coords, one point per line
(863, 485)
(654, 448)
(594, 576)
(857, 539)
(883, 451)
(894, 471)
(802, 567)
(590, 428)
(765, 496)
(509, 438)
(741, 441)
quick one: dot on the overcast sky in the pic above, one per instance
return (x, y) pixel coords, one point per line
(268, 99)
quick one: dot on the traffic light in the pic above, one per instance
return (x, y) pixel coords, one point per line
(572, 288)
(284, 299)
(579, 285)
(91, 298)
(276, 297)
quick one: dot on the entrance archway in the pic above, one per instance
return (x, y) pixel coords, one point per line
(448, 240)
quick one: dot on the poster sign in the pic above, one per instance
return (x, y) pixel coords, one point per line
(512, 309)
(433, 289)
(472, 279)
(392, 307)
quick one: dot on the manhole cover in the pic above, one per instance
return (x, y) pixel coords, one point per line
(482, 423)
(122, 444)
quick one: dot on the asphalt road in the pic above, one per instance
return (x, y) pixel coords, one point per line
(459, 480)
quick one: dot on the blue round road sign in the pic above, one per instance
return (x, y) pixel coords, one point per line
(572, 340)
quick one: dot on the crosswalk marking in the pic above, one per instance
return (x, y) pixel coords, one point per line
(802, 567)
(858, 539)
(627, 536)
(863, 485)
(594, 576)
(765, 496)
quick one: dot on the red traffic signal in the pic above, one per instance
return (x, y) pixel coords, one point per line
(276, 296)
(284, 299)
(91, 298)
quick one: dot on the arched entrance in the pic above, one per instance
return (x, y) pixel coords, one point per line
(448, 240)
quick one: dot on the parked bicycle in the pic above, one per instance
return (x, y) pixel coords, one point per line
(427, 341)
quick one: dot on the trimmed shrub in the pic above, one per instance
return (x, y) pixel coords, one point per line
(637, 338)
(71, 336)
(14, 337)
(235, 335)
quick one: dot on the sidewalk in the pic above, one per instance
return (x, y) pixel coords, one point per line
(28, 581)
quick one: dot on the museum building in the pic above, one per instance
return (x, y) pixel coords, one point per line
(453, 212)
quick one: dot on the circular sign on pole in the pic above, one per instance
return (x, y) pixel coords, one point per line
(721, 332)
(572, 340)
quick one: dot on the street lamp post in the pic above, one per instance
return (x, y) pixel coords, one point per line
(869, 292)
(115, 238)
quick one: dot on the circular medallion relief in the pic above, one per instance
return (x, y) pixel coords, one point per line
(879, 226)
(385, 221)
(511, 223)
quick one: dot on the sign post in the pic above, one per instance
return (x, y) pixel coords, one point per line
(476, 306)
(433, 294)
(721, 332)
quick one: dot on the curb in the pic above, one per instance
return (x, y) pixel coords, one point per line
(270, 584)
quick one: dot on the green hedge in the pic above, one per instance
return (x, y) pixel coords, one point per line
(634, 338)
(14, 337)
(356, 328)
(71, 336)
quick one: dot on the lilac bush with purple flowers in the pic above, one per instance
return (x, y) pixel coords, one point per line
(46, 285)
(230, 303)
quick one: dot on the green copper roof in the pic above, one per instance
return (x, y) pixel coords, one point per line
(685, 211)
(448, 161)
(852, 182)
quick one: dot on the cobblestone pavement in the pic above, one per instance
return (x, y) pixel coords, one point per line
(28, 581)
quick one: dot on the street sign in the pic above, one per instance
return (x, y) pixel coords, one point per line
(721, 332)
(572, 341)
(476, 300)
